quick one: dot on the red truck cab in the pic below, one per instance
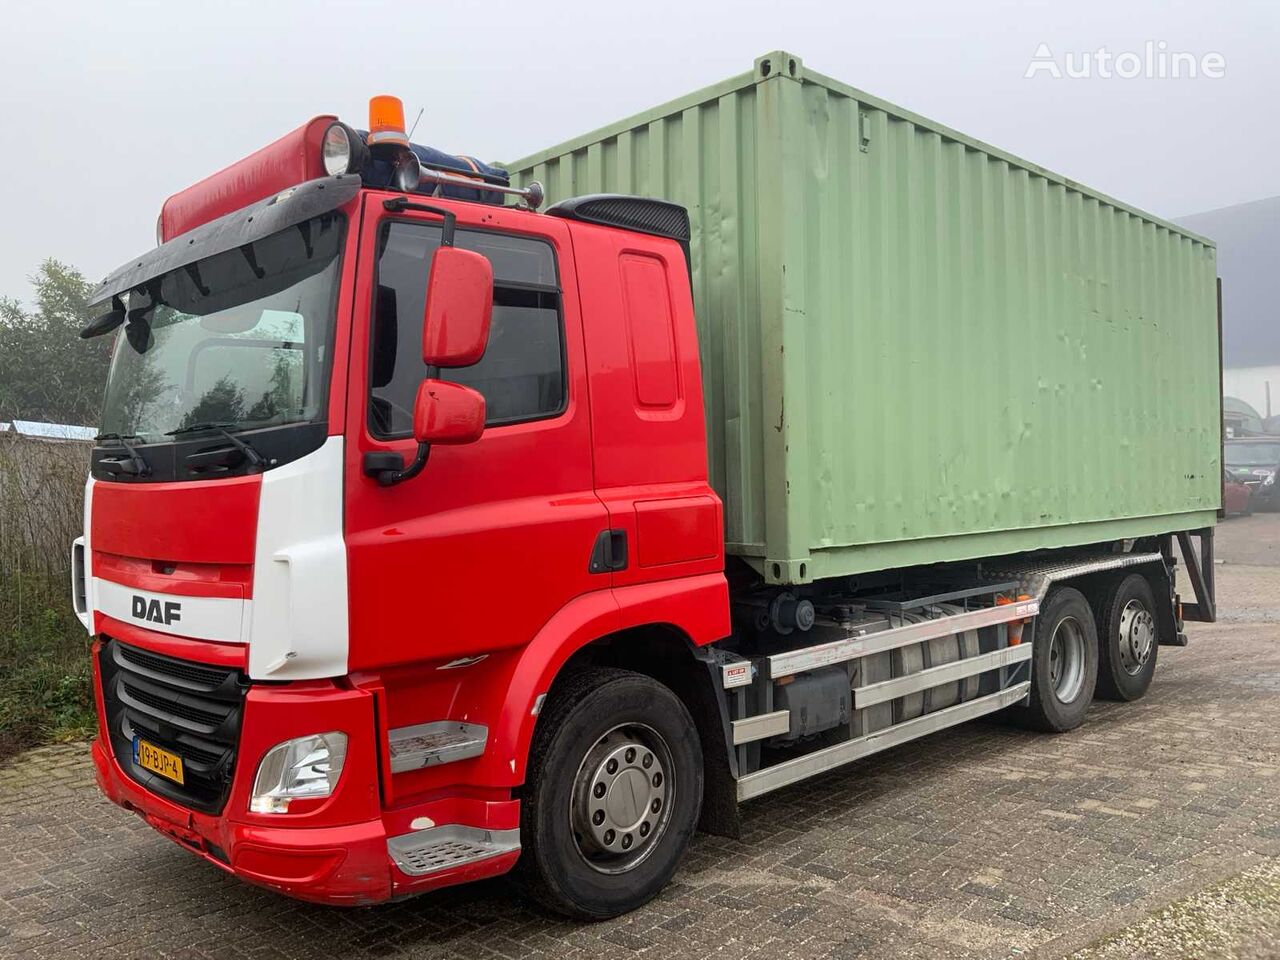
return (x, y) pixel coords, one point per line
(314, 668)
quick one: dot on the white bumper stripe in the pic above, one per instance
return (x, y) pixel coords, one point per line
(222, 619)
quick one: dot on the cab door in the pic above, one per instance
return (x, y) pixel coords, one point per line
(479, 550)
(646, 405)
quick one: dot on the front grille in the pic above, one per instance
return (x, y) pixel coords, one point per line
(208, 678)
(164, 705)
(191, 709)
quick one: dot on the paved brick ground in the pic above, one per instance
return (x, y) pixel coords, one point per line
(980, 842)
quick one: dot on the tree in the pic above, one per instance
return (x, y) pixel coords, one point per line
(46, 371)
(221, 403)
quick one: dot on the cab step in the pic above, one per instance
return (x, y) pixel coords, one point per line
(445, 847)
(429, 744)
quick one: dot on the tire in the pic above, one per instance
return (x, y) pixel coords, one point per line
(1127, 638)
(1062, 683)
(593, 855)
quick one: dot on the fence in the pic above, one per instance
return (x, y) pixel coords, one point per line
(44, 658)
(41, 504)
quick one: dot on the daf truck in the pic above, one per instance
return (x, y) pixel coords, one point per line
(449, 518)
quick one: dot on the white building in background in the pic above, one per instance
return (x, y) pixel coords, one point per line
(37, 430)
(1257, 386)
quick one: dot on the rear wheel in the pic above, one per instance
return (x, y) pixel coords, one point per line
(1064, 663)
(614, 791)
(1127, 639)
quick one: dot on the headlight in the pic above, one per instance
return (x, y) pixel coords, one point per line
(342, 150)
(306, 767)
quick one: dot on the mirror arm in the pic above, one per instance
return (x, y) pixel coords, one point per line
(390, 477)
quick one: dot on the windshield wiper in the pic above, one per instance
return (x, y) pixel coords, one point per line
(223, 427)
(136, 465)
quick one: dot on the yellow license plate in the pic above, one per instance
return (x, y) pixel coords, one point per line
(150, 757)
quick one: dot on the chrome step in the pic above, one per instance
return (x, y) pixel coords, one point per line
(452, 845)
(443, 741)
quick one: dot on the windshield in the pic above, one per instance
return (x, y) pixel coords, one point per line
(241, 339)
(1252, 454)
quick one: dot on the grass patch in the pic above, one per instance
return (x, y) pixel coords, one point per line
(46, 692)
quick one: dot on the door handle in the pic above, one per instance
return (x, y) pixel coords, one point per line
(609, 554)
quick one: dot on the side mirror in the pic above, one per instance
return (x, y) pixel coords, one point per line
(447, 413)
(455, 323)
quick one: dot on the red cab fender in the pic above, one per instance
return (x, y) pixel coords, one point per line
(697, 606)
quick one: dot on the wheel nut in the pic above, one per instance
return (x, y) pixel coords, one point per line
(626, 841)
(644, 829)
(647, 762)
(598, 790)
(656, 805)
(611, 766)
(609, 837)
(657, 779)
(598, 817)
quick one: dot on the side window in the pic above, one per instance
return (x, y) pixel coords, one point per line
(522, 372)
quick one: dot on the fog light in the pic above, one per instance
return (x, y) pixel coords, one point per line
(306, 767)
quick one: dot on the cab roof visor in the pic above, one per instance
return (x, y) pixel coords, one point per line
(287, 208)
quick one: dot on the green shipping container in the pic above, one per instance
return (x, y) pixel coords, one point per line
(917, 347)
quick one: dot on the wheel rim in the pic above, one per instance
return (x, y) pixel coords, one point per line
(1137, 637)
(622, 797)
(1067, 659)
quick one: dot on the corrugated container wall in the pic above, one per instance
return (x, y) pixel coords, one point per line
(917, 347)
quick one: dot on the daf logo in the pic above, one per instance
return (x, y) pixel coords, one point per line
(156, 612)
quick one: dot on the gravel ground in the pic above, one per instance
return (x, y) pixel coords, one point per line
(1152, 831)
(1238, 919)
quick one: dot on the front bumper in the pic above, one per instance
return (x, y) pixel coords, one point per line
(339, 851)
(345, 864)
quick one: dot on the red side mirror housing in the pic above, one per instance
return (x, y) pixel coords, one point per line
(455, 323)
(447, 413)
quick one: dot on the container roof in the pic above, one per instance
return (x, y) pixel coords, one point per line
(788, 66)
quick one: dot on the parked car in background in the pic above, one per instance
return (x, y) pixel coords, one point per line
(1236, 494)
(1256, 462)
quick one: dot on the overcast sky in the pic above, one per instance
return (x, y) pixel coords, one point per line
(108, 107)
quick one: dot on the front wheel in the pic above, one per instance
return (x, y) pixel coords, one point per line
(1064, 663)
(614, 791)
